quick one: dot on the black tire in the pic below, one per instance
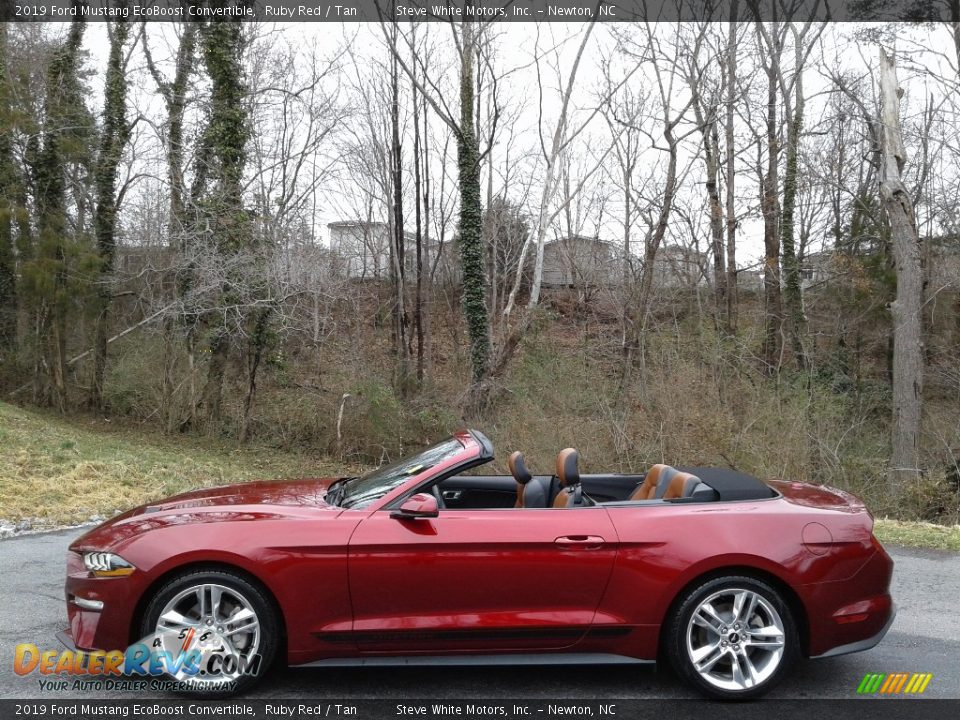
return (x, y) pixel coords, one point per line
(719, 681)
(269, 625)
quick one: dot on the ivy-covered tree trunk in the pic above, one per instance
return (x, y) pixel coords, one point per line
(225, 137)
(471, 239)
(772, 301)
(113, 139)
(8, 183)
(63, 138)
(792, 296)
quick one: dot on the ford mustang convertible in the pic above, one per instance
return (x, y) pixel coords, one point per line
(726, 578)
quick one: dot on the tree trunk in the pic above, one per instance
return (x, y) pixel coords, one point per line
(114, 138)
(716, 226)
(257, 344)
(471, 239)
(8, 184)
(51, 208)
(418, 205)
(224, 140)
(401, 322)
(427, 317)
(773, 308)
(731, 81)
(175, 97)
(906, 308)
(793, 297)
(639, 303)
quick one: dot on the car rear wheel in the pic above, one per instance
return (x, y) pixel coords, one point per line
(219, 626)
(732, 638)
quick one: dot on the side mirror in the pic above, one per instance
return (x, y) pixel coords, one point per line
(421, 505)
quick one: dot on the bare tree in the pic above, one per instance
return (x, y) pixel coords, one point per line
(730, 73)
(906, 309)
(175, 98)
(804, 40)
(667, 76)
(704, 77)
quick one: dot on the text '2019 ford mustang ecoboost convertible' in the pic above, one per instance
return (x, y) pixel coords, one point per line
(728, 578)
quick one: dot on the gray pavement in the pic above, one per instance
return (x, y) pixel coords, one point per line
(924, 638)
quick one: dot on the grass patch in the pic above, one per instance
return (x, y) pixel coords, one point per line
(918, 534)
(63, 471)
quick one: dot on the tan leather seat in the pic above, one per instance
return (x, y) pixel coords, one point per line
(681, 484)
(664, 482)
(648, 488)
(568, 473)
(518, 468)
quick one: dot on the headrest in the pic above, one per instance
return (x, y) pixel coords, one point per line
(664, 481)
(518, 468)
(653, 474)
(568, 471)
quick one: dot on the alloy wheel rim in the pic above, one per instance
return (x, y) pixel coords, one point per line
(735, 639)
(223, 622)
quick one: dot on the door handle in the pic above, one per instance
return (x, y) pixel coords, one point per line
(579, 542)
(452, 494)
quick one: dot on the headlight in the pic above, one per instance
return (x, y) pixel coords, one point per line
(104, 564)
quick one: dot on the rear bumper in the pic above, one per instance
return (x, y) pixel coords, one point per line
(853, 614)
(861, 645)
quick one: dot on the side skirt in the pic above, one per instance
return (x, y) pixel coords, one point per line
(499, 659)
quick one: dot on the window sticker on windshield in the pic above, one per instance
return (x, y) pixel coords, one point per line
(414, 469)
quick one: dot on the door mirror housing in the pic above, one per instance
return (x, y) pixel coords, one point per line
(421, 505)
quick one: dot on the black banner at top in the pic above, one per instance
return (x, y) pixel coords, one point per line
(480, 10)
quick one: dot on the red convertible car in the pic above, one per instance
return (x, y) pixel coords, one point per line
(727, 578)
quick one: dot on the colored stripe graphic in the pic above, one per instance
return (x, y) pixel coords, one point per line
(894, 683)
(866, 685)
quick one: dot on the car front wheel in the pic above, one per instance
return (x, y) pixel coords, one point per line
(216, 628)
(732, 638)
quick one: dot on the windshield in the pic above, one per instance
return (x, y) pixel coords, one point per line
(377, 483)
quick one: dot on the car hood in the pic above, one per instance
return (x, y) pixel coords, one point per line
(261, 500)
(308, 492)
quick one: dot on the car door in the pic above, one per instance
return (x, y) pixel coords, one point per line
(465, 492)
(479, 580)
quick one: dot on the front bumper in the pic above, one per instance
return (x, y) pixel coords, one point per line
(99, 610)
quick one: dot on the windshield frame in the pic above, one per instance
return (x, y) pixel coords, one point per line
(468, 452)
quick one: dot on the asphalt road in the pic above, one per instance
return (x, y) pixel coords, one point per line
(924, 638)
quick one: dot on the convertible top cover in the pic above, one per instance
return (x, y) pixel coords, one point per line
(732, 485)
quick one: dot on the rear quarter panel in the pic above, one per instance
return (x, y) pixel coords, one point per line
(666, 547)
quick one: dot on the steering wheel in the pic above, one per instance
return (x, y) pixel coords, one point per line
(435, 490)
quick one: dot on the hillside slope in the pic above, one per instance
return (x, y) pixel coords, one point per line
(55, 470)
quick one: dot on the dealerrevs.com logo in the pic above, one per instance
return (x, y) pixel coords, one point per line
(186, 659)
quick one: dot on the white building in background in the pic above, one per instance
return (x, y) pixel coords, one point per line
(579, 261)
(818, 268)
(681, 266)
(361, 249)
